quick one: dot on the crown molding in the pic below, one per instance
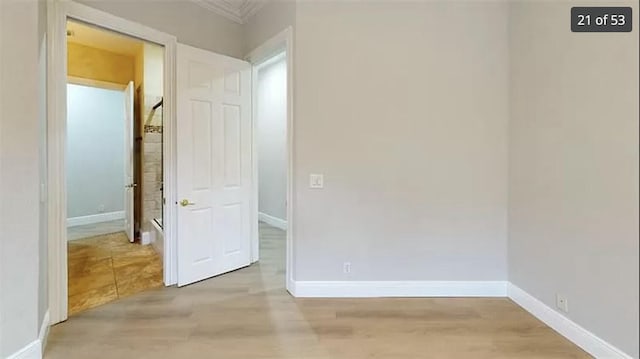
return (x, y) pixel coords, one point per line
(238, 11)
(250, 8)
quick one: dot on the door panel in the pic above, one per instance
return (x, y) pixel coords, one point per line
(128, 163)
(201, 140)
(232, 228)
(214, 164)
(232, 147)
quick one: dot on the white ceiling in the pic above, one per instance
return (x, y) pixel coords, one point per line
(235, 10)
(102, 39)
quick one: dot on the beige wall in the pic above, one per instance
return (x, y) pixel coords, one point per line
(152, 136)
(96, 64)
(20, 245)
(153, 69)
(573, 198)
(408, 124)
(190, 23)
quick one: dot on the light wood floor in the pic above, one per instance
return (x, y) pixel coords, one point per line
(107, 267)
(247, 314)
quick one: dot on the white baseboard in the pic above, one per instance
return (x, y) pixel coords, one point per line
(157, 239)
(365, 289)
(43, 335)
(583, 338)
(95, 218)
(32, 351)
(290, 284)
(35, 349)
(146, 237)
(272, 221)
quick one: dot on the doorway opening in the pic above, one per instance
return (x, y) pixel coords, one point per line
(273, 119)
(114, 166)
(270, 126)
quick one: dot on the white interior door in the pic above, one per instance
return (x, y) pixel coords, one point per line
(214, 164)
(128, 161)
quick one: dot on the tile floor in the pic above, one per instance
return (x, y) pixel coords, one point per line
(106, 267)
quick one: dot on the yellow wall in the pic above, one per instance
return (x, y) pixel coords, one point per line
(95, 64)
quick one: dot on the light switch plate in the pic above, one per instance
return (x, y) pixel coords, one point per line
(316, 181)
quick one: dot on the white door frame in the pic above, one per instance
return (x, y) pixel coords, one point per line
(282, 42)
(58, 11)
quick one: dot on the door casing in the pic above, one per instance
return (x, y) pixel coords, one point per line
(282, 42)
(58, 12)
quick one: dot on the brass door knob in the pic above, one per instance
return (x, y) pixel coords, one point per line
(131, 185)
(185, 202)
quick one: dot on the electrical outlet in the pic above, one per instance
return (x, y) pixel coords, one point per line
(562, 303)
(347, 267)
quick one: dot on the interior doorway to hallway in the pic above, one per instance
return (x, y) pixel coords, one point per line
(273, 125)
(270, 141)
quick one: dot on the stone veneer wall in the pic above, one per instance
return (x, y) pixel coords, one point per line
(152, 162)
